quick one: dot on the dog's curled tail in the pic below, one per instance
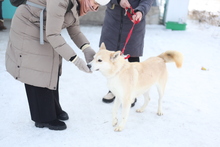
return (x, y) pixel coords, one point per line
(172, 56)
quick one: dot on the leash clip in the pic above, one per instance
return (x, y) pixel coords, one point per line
(126, 11)
(127, 56)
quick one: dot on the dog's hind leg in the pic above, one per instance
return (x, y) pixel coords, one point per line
(160, 88)
(159, 111)
(115, 111)
(146, 101)
(126, 105)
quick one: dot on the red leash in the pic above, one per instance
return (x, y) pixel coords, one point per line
(130, 32)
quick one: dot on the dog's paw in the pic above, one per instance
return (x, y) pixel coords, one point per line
(159, 113)
(139, 110)
(118, 129)
(114, 122)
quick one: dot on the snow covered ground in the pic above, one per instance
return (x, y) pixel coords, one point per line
(190, 104)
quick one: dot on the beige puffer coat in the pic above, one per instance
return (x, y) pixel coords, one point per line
(26, 59)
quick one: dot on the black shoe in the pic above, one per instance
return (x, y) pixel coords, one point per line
(132, 105)
(109, 97)
(63, 116)
(108, 100)
(52, 125)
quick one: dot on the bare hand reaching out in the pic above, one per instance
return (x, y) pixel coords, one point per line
(137, 16)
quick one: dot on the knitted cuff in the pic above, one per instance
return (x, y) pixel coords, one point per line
(85, 46)
(73, 59)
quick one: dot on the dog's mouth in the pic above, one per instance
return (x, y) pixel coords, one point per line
(97, 70)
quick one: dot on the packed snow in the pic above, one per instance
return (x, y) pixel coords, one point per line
(190, 104)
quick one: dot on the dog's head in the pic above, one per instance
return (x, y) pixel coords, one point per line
(107, 62)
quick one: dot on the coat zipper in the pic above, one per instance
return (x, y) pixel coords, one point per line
(121, 26)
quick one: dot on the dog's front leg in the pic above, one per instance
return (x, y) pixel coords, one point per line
(125, 111)
(115, 111)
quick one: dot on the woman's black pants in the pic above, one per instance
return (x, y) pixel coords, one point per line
(43, 103)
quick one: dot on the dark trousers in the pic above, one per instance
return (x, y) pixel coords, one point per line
(43, 103)
(1, 10)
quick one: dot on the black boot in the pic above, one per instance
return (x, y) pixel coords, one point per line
(63, 116)
(132, 105)
(52, 125)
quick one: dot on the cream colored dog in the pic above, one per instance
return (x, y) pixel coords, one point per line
(129, 80)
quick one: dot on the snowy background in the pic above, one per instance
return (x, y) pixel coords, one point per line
(190, 104)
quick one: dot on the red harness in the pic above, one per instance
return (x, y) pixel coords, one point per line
(130, 32)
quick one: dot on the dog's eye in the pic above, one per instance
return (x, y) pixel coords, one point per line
(99, 60)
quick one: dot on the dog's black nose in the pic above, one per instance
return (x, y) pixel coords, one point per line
(89, 66)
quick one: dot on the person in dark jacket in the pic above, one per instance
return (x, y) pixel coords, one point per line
(116, 27)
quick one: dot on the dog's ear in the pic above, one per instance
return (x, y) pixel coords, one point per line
(102, 46)
(115, 55)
